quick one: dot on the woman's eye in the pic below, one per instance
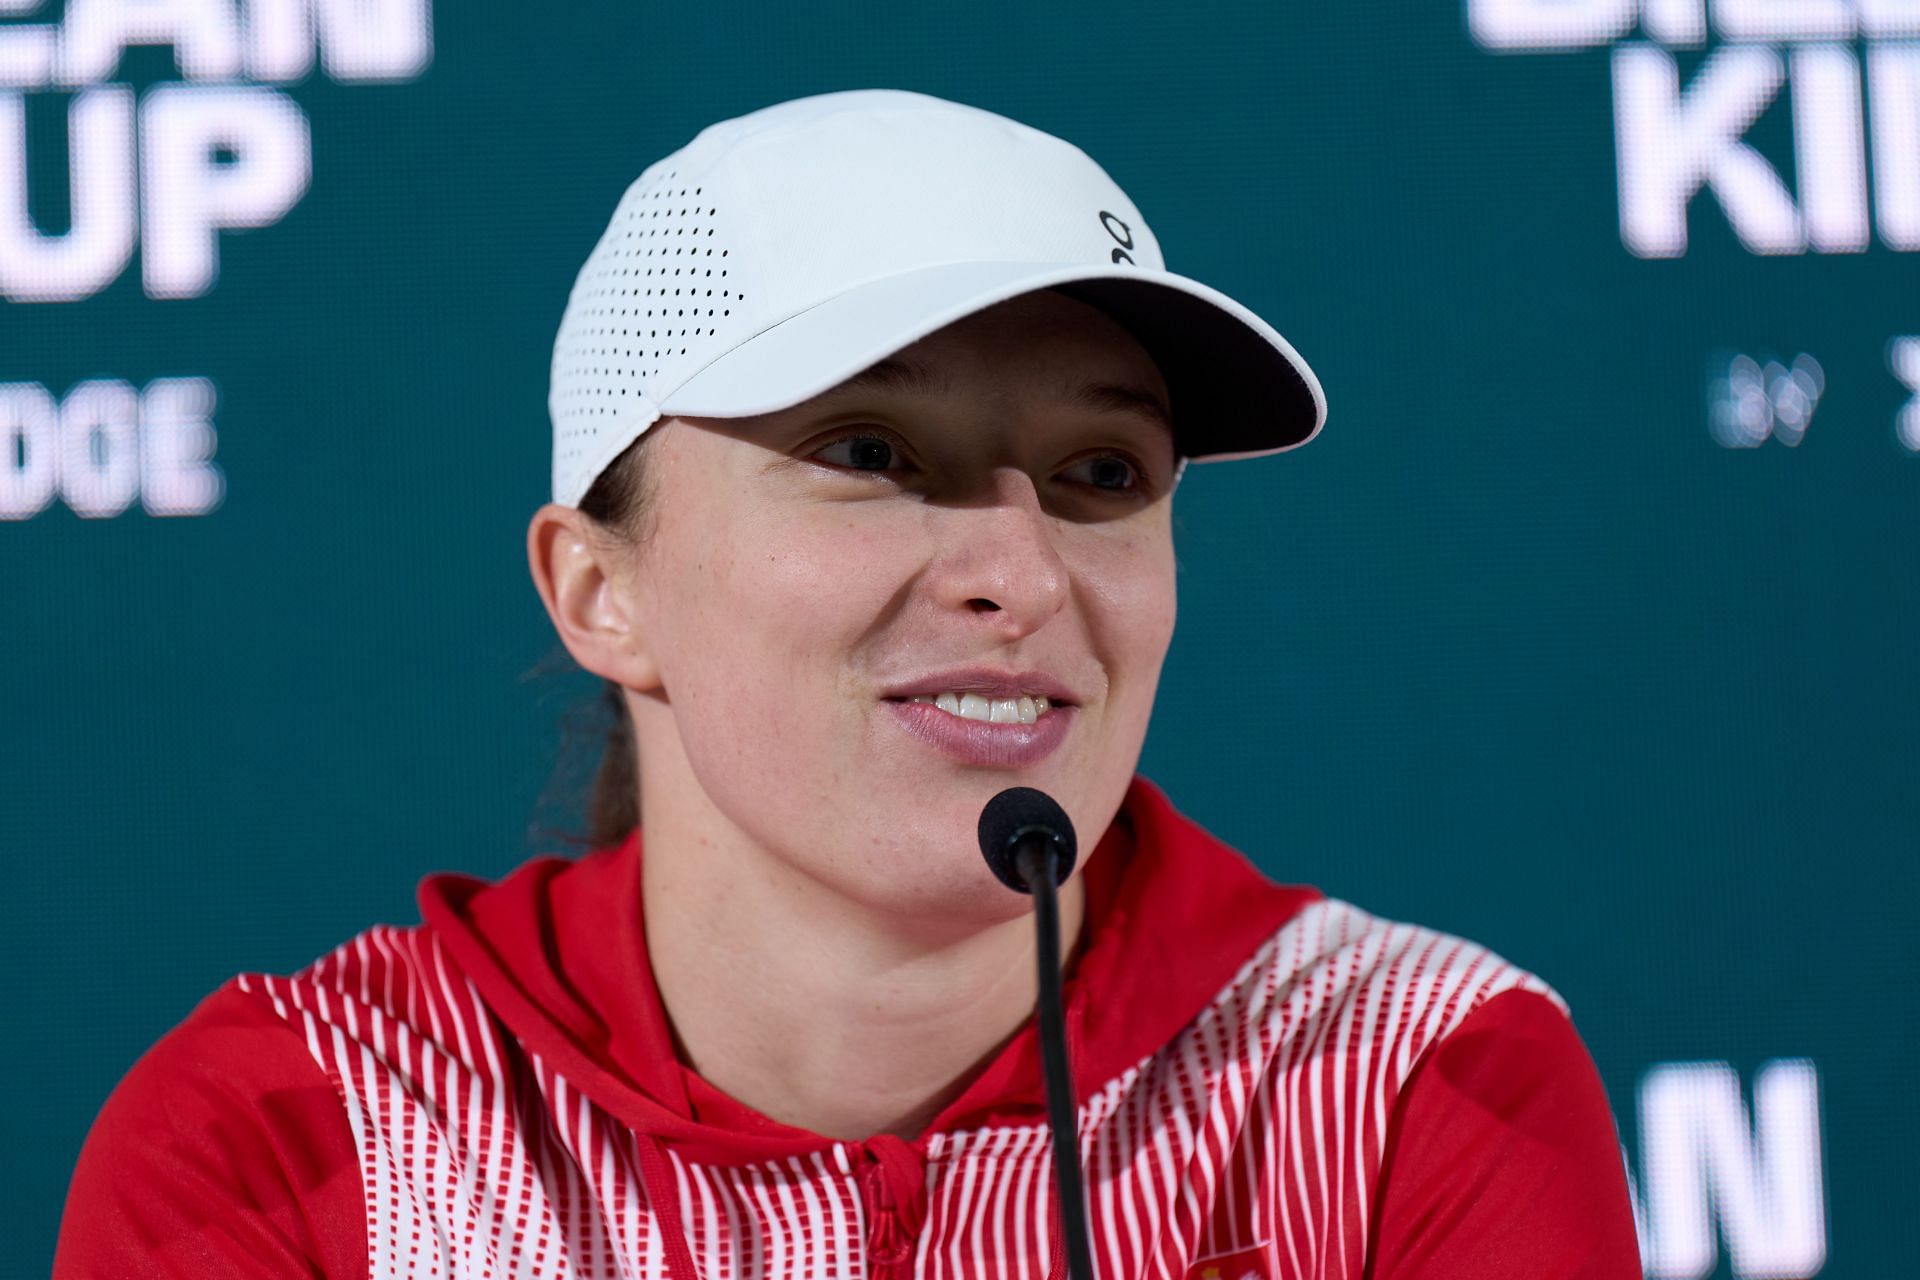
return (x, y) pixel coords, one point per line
(1109, 472)
(861, 453)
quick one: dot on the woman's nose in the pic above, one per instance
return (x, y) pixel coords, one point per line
(999, 559)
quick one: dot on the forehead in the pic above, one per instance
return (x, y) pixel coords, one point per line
(914, 375)
(1039, 344)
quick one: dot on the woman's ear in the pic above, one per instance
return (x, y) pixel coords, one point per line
(587, 589)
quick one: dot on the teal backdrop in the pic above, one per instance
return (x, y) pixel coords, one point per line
(1586, 630)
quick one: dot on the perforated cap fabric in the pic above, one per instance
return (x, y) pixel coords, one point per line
(781, 252)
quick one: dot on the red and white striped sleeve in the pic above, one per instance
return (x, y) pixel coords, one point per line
(224, 1153)
(1502, 1159)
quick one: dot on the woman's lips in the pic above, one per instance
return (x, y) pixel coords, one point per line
(980, 742)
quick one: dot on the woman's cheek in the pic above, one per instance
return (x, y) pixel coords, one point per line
(834, 566)
(731, 683)
(798, 601)
(1132, 588)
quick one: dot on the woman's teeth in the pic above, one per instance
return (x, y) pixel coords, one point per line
(972, 706)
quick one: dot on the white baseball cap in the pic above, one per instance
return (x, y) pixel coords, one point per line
(782, 252)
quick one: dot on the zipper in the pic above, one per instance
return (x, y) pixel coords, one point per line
(892, 1175)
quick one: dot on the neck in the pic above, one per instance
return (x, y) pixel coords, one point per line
(882, 1024)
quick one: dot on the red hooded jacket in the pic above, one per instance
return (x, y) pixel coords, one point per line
(1271, 1084)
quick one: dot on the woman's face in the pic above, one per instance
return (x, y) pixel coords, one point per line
(855, 607)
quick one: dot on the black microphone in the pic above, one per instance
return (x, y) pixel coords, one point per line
(1020, 821)
(1027, 839)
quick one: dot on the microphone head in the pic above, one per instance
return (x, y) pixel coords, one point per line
(1016, 816)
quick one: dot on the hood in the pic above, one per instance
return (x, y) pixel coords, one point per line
(558, 952)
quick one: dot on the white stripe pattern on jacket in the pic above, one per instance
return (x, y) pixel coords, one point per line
(1258, 1127)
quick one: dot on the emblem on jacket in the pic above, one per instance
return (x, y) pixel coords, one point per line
(1244, 1264)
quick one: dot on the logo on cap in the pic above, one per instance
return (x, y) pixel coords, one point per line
(1122, 233)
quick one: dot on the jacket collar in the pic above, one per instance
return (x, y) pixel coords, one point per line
(557, 950)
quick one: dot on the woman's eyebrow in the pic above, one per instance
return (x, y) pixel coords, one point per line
(1114, 397)
(896, 374)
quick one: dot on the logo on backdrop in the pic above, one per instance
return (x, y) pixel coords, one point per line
(166, 171)
(1672, 141)
(223, 148)
(1711, 1171)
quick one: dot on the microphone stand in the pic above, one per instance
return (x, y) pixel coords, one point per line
(1037, 861)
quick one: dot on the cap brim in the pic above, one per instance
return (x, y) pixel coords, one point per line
(1239, 389)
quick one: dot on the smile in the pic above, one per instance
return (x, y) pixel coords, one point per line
(1024, 709)
(973, 729)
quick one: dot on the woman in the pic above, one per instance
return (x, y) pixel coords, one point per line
(868, 413)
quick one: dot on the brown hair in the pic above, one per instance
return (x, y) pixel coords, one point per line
(615, 503)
